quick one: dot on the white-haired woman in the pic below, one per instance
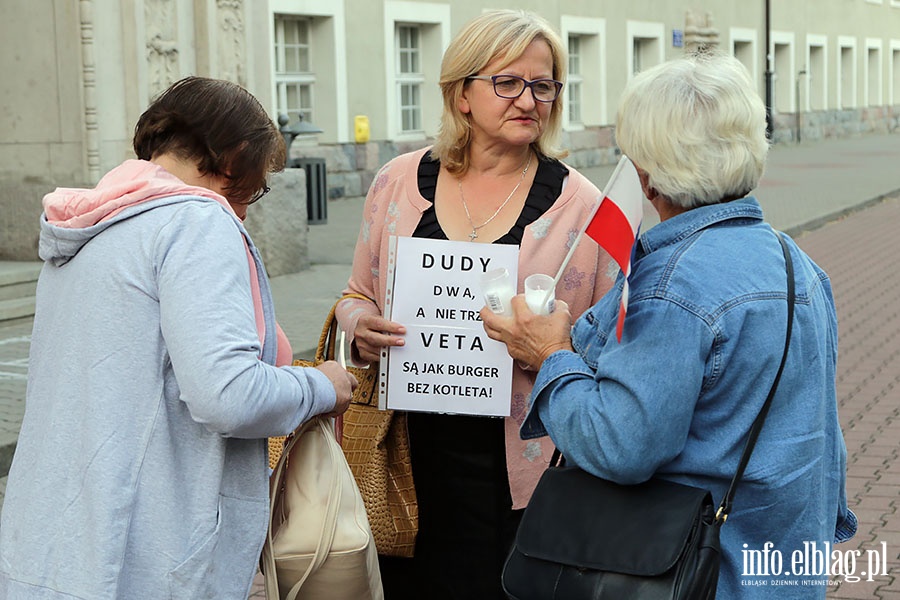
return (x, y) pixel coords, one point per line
(703, 336)
(493, 176)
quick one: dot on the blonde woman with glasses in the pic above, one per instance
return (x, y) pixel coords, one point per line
(493, 176)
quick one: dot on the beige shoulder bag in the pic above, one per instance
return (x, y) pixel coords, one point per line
(319, 545)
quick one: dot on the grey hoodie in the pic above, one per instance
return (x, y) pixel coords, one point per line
(141, 470)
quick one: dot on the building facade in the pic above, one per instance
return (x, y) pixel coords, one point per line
(76, 74)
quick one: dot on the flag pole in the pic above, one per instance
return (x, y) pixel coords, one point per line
(584, 226)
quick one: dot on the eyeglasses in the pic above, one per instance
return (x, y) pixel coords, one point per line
(258, 195)
(511, 87)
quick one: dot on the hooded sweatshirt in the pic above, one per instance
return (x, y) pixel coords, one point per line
(141, 468)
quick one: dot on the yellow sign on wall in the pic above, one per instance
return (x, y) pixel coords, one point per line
(361, 126)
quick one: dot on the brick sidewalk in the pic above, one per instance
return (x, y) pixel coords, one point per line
(859, 254)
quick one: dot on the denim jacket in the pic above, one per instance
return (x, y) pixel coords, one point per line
(702, 341)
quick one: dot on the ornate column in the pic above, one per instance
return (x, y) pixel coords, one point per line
(221, 34)
(161, 31)
(231, 41)
(89, 87)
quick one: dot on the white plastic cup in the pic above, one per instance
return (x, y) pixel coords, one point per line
(498, 290)
(540, 294)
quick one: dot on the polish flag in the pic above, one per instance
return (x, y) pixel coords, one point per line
(616, 223)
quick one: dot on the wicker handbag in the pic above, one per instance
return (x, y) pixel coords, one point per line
(376, 444)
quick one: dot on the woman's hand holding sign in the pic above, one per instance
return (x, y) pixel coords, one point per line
(374, 333)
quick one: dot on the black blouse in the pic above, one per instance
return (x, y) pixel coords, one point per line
(545, 189)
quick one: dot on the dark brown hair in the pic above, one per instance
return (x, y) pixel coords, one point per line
(218, 124)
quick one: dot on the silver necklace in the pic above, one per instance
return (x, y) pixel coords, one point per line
(474, 235)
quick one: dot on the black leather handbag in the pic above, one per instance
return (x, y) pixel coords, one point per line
(582, 537)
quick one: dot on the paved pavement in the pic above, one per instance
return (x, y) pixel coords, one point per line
(840, 199)
(858, 252)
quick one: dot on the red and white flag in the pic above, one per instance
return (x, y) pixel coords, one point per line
(616, 223)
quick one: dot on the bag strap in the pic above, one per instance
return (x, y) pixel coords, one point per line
(276, 488)
(328, 337)
(329, 523)
(725, 506)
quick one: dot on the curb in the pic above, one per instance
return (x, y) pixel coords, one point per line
(820, 222)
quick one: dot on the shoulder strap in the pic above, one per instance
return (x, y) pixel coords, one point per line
(725, 506)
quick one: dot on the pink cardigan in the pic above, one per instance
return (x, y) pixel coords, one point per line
(394, 206)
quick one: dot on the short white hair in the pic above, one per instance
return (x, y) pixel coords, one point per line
(697, 126)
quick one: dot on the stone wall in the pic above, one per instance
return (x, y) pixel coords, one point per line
(591, 147)
(20, 217)
(277, 224)
(352, 167)
(827, 124)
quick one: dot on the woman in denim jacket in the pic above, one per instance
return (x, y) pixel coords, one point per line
(703, 336)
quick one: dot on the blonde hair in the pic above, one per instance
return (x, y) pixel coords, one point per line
(496, 34)
(697, 126)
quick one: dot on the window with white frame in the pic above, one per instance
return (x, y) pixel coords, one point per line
(784, 78)
(640, 51)
(873, 72)
(409, 77)
(846, 74)
(785, 74)
(415, 37)
(816, 81)
(894, 73)
(645, 45)
(744, 48)
(574, 81)
(585, 91)
(294, 79)
(817, 75)
(743, 51)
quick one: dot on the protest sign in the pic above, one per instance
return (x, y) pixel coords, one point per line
(448, 363)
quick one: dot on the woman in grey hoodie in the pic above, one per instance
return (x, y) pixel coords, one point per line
(141, 469)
